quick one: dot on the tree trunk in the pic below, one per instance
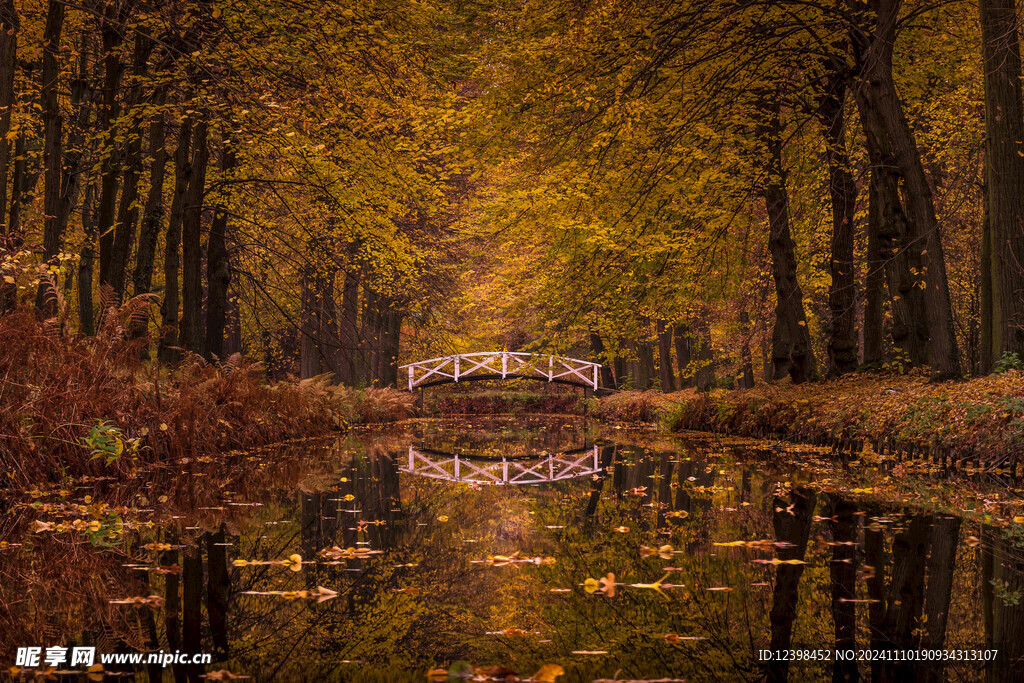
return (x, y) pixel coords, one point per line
(745, 380)
(128, 211)
(842, 292)
(1004, 187)
(878, 92)
(645, 365)
(348, 331)
(683, 355)
(218, 269)
(153, 212)
(668, 384)
(53, 233)
(111, 156)
(791, 341)
(309, 328)
(169, 352)
(704, 354)
(10, 26)
(874, 280)
(598, 350)
(392, 344)
(86, 261)
(191, 243)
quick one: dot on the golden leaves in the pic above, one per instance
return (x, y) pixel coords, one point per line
(320, 594)
(514, 559)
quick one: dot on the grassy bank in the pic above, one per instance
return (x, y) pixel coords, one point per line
(977, 420)
(78, 405)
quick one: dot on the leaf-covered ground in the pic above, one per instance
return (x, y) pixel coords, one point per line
(980, 418)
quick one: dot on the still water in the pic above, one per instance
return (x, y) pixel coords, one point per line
(506, 545)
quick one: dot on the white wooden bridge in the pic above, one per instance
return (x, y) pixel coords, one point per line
(466, 367)
(504, 471)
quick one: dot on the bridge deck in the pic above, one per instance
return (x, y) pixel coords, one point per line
(465, 367)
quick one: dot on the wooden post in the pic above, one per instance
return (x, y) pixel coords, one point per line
(504, 364)
(551, 367)
(456, 368)
(410, 379)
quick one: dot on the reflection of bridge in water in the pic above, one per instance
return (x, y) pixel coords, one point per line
(504, 471)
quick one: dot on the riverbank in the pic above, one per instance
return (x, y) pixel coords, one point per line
(979, 421)
(73, 405)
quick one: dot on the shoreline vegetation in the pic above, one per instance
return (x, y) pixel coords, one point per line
(972, 423)
(74, 404)
(71, 404)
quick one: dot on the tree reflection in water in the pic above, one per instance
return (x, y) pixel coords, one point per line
(426, 571)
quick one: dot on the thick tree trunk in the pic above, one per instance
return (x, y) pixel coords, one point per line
(985, 360)
(218, 270)
(153, 212)
(10, 26)
(598, 350)
(1004, 187)
(874, 280)
(169, 352)
(645, 365)
(191, 243)
(111, 157)
(668, 384)
(53, 233)
(86, 261)
(791, 341)
(128, 211)
(392, 345)
(704, 354)
(842, 292)
(878, 93)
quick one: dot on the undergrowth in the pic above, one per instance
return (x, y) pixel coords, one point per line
(66, 399)
(982, 417)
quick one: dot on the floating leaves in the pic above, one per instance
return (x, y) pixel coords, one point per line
(293, 562)
(320, 594)
(514, 559)
(665, 552)
(350, 553)
(148, 601)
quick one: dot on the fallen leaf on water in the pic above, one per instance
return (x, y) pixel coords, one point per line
(548, 673)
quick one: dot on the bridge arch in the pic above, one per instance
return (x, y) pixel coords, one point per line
(469, 367)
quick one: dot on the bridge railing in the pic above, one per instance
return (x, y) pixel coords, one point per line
(502, 365)
(506, 471)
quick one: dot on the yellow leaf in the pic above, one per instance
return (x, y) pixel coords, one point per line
(548, 673)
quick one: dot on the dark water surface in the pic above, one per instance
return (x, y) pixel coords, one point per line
(516, 543)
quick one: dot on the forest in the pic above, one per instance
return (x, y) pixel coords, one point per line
(690, 193)
(785, 236)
